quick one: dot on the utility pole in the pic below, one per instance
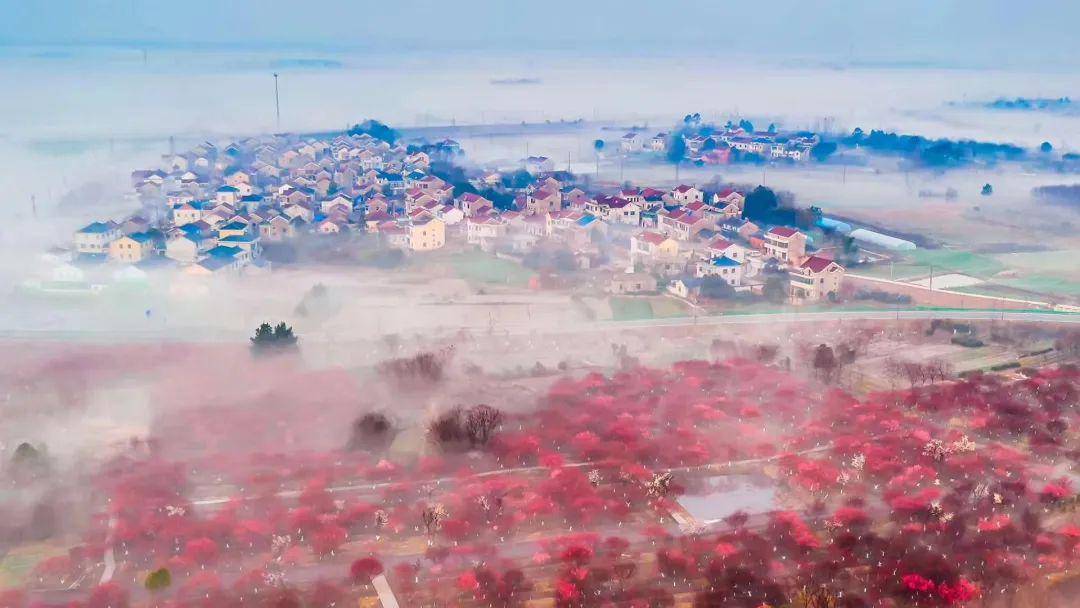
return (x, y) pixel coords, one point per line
(33, 205)
(277, 102)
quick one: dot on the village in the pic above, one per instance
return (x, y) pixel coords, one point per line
(224, 211)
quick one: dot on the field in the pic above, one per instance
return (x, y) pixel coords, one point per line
(582, 474)
(651, 307)
(1043, 276)
(486, 268)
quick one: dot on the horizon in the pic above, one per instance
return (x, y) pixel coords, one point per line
(921, 33)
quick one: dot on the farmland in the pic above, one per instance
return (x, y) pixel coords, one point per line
(576, 486)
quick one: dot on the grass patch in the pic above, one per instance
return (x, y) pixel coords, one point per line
(17, 565)
(630, 309)
(963, 262)
(484, 268)
(1043, 284)
(664, 308)
(916, 264)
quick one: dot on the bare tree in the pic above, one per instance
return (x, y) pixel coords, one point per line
(447, 429)
(660, 485)
(481, 422)
(432, 516)
(825, 364)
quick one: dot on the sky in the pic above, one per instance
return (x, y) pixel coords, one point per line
(989, 33)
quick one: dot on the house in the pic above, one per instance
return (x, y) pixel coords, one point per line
(233, 228)
(631, 142)
(427, 235)
(245, 242)
(543, 201)
(135, 224)
(188, 212)
(716, 156)
(574, 198)
(330, 226)
(482, 230)
(721, 247)
(729, 196)
(227, 195)
(738, 227)
(649, 244)
(724, 267)
(94, 238)
(449, 214)
(817, 278)
(299, 210)
(237, 256)
(211, 266)
(659, 142)
(631, 282)
(787, 245)
(615, 209)
(187, 248)
(237, 178)
(277, 229)
(688, 288)
(684, 195)
(695, 144)
(338, 199)
(131, 248)
(394, 235)
(682, 224)
(473, 205)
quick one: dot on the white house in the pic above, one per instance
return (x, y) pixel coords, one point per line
(96, 236)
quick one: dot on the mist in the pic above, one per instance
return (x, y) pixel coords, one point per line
(354, 415)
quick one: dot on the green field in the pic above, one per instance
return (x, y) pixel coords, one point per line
(915, 264)
(17, 565)
(484, 268)
(630, 309)
(636, 309)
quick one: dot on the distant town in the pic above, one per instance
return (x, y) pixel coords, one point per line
(238, 208)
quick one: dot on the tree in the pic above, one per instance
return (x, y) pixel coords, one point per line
(481, 422)
(279, 338)
(158, 579)
(823, 150)
(772, 127)
(598, 145)
(746, 125)
(776, 289)
(825, 363)
(108, 595)
(433, 516)
(365, 569)
(760, 204)
(447, 429)
(676, 149)
(201, 550)
(373, 429)
(987, 190)
(29, 460)
(375, 129)
(716, 288)
(1046, 147)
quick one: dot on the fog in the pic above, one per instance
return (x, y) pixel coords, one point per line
(139, 421)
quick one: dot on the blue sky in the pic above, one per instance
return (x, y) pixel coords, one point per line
(982, 32)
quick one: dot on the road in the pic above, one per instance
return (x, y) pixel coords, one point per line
(210, 334)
